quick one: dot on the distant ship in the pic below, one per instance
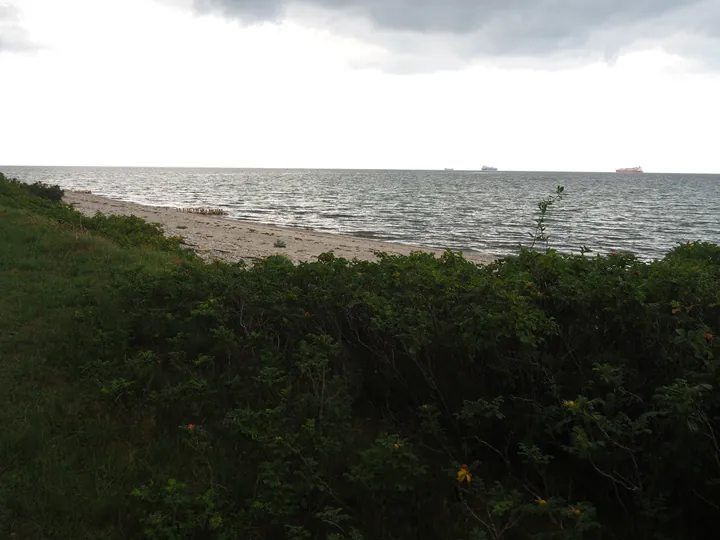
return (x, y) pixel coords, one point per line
(486, 168)
(637, 169)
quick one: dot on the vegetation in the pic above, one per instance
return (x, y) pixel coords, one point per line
(145, 394)
(280, 243)
(44, 200)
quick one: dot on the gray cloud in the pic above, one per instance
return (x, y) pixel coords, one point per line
(510, 30)
(247, 10)
(12, 36)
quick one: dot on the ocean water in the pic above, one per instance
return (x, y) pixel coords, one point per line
(486, 212)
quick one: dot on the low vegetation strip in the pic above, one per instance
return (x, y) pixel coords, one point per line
(150, 395)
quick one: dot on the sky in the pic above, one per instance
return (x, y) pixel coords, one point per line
(568, 85)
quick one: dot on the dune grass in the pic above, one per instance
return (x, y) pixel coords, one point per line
(64, 454)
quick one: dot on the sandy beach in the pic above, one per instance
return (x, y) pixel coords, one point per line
(219, 237)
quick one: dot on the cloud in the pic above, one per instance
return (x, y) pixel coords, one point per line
(13, 37)
(436, 33)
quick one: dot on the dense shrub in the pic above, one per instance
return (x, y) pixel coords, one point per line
(341, 399)
(14, 187)
(45, 191)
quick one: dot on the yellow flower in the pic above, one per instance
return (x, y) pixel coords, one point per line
(570, 404)
(541, 501)
(464, 475)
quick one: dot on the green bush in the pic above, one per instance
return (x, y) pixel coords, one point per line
(580, 391)
(13, 188)
(131, 231)
(45, 191)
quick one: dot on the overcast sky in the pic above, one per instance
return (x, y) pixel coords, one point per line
(518, 84)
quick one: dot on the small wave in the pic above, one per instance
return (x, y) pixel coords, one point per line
(364, 234)
(337, 216)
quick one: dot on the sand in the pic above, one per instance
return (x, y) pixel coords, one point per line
(230, 240)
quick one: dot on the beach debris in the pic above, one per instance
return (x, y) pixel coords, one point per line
(204, 211)
(85, 192)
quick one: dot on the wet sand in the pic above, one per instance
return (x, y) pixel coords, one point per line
(219, 237)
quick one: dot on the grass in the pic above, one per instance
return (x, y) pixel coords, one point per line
(64, 455)
(280, 243)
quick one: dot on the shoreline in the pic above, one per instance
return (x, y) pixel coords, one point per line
(231, 240)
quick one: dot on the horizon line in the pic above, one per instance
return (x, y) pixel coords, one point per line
(445, 170)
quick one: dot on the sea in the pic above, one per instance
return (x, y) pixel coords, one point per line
(485, 212)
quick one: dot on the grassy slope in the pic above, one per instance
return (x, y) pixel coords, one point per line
(63, 458)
